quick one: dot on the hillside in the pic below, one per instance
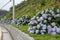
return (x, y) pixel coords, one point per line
(3, 12)
(31, 7)
(40, 17)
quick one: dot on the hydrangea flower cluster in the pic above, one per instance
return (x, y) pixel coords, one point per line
(45, 22)
(20, 21)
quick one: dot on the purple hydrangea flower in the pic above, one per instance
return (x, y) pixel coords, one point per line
(44, 27)
(33, 21)
(30, 28)
(55, 27)
(52, 12)
(49, 18)
(53, 33)
(49, 29)
(31, 31)
(44, 16)
(58, 30)
(42, 31)
(40, 19)
(53, 30)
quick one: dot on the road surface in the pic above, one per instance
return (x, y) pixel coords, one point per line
(12, 33)
(6, 35)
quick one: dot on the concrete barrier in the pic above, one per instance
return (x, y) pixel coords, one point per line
(17, 34)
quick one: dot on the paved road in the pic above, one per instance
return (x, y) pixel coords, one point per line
(0, 34)
(15, 33)
(6, 35)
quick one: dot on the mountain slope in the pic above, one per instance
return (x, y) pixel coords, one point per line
(31, 7)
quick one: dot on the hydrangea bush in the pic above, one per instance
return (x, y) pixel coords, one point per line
(24, 20)
(46, 21)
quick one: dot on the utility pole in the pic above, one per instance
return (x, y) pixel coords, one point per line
(13, 9)
(13, 16)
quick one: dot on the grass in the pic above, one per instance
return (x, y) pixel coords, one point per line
(38, 36)
(29, 8)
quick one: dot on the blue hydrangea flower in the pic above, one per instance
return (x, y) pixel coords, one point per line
(40, 19)
(37, 31)
(49, 29)
(42, 31)
(31, 31)
(44, 27)
(58, 30)
(55, 27)
(38, 26)
(57, 15)
(45, 21)
(53, 30)
(41, 24)
(53, 33)
(30, 28)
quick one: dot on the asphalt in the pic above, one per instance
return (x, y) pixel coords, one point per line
(0, 34)
(6, 35)
(12, 33)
